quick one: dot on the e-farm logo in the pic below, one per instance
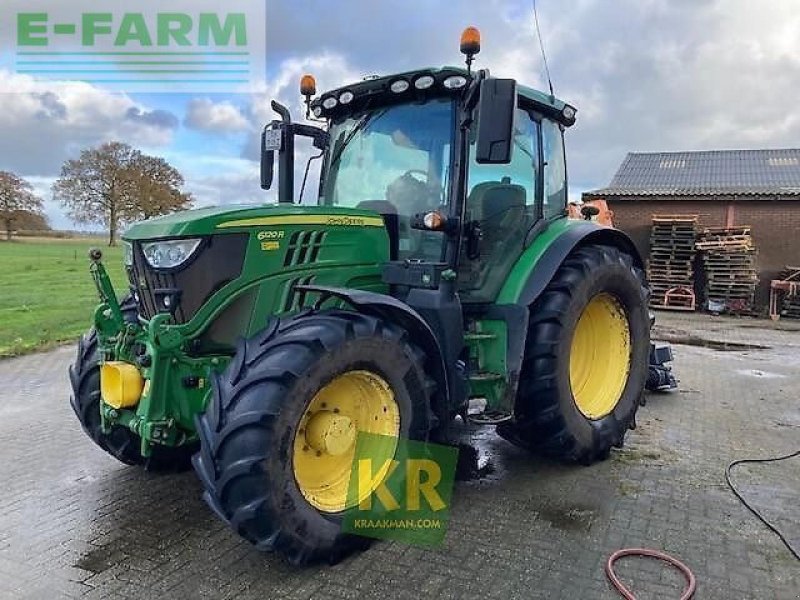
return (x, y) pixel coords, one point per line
(404, 498)
(145, 46)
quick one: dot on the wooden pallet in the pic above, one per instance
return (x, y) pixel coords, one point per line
(790, 308)
(728, 263)
(671, 263)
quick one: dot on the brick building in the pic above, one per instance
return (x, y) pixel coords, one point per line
(725, 188)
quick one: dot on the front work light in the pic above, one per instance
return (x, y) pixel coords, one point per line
(455, 82)
(169, 254)
(399, 86)
(424, 82)
(346, 97)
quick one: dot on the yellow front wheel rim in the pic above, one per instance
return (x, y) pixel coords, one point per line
(325, 440)
(600, 357)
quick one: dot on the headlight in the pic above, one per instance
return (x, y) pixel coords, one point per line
(169, 254)
(127, 249)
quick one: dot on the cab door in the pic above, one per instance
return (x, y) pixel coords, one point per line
(503, 203)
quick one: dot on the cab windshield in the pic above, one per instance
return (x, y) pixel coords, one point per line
(395, 161)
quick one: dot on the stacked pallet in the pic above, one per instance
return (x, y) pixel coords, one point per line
(729, 269)
(670, 269)
(791, 301)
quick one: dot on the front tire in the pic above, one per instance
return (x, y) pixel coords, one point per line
(275, 453)
(586, 358)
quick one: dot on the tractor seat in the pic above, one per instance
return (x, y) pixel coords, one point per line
(501, 210)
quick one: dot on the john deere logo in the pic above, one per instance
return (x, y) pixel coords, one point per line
(148, 44)
(351, 221)
(406, 498)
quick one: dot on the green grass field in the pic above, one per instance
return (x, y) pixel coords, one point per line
(46, 293)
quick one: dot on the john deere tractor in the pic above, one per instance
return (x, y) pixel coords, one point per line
(438, 265)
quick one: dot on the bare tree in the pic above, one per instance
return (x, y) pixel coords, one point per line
(115, 184)
(156, 188)
(27, 220)
(16, 198)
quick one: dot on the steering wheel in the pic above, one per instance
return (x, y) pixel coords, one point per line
(412, 172)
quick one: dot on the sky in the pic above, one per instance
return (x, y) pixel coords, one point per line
(645, 75)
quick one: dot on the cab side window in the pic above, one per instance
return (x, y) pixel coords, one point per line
(555, 169)
(521, 171)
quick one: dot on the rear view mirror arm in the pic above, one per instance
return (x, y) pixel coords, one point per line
(287, 131)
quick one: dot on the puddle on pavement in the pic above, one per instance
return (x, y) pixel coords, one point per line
(759, 373)
(567, 519)
(98, 560)
(473, 463)
(715, 344)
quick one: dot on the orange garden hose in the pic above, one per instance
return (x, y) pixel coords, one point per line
(688, 592)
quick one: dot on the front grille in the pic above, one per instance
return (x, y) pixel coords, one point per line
(217, 262)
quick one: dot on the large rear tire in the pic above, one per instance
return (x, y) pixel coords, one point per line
(120, 442)
(586, 358)
(276, 454)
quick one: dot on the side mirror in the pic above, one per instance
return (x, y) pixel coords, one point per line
(270, 143)
(496, 107)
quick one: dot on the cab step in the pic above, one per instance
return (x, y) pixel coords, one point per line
(478, 336)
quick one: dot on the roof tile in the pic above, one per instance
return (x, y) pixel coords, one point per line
(707, 173)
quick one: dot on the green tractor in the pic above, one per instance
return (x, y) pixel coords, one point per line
(438, 265)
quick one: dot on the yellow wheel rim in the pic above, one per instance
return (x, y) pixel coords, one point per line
(600, 357)
(325, 439)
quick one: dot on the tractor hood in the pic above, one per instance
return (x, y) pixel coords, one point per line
(246, 254)
(233, 218)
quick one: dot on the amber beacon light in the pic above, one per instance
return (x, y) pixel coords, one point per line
(308, 85)
(470, 44)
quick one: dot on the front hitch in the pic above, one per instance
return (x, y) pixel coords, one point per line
(108, 317)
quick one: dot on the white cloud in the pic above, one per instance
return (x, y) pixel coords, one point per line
(330, 69)
(668, 76)
(646, 75)
(223, 117)
(44, 122)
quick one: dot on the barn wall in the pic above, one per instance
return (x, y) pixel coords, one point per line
(775, 226)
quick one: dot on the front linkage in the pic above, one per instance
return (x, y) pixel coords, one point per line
(149, 383)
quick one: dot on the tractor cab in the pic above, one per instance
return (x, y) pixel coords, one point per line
(465, 169)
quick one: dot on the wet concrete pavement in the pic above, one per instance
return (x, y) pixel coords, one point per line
(75, 523)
